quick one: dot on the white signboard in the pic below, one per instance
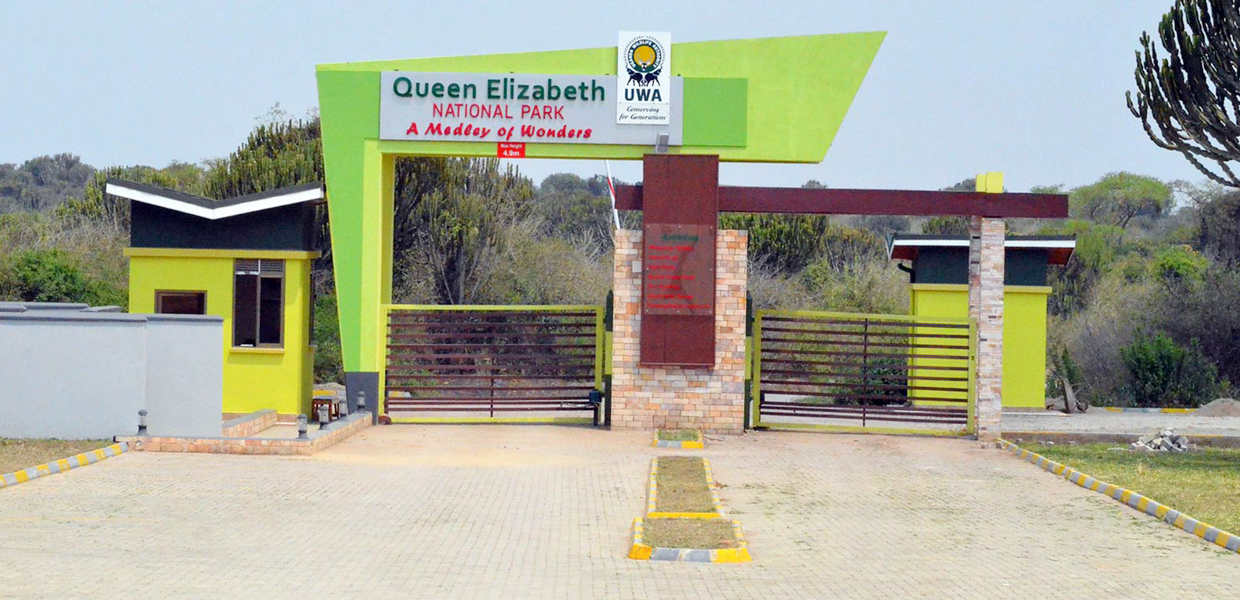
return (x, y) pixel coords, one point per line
(644, 75)
(514, 109)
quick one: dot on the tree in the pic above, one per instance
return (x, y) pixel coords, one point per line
(95, 206)
(1189, 101)
(574, 208)
(785, 243)
(458, 226)
(951, 226)
(42, 183)
(1218, 229)
(1119, 197)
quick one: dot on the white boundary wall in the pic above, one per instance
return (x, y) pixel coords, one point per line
(71, 372)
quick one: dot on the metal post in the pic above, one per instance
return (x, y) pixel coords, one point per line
(865, 371)
(302, 426)
(748, 403)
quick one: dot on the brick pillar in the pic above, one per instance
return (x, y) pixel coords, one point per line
(711, 399)
(989, 293)
(986, 254)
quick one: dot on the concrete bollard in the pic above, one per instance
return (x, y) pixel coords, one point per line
(302, 426)
(323, 416)
(344, 409)
(361, 401)
(142, 422)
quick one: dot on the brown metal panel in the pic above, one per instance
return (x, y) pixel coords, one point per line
(680, 189)
(871, 202)
(680, 202)
(678, 270)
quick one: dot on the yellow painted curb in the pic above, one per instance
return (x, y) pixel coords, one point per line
(639, 550)
(64, 464)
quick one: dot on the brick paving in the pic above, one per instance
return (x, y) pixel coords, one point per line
(543, 512)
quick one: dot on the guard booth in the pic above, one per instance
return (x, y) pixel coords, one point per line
(938, 268)
(245, 259)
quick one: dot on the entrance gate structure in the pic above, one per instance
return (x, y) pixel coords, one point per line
(514, 364)
(782, 103)
(863, 373)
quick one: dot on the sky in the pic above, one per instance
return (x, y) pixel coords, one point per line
(1033, 89)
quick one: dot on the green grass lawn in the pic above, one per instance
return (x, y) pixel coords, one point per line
(1204, 483)
(18, 454)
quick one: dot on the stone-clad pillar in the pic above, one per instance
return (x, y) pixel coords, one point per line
(986, 257)
(652, 397)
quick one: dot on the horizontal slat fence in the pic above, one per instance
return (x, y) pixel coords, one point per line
(492, 361)
(867, 370)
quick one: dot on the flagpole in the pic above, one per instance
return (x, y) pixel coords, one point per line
(611, 189)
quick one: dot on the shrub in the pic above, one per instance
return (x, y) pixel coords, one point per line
(1094, 336)
(1166, 374)
(1207, 311)
(47, 276)
(325, 333)
(1178, 263)
(862, 284)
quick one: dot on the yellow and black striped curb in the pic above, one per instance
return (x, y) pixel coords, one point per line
(642, 551)
(694, 444)
(653, 494)
(64, 464)
(1176, 518)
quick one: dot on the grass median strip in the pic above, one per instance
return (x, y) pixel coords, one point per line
(678, 435)
(682, 486)
(706, 534)
(1203, 483)
(688, 439)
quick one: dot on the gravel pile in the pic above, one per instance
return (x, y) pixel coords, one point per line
(1223, 407)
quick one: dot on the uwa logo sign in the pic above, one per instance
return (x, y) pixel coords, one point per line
(643, 70)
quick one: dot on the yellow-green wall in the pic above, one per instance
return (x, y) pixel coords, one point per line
(1024, 334)
(254, 378)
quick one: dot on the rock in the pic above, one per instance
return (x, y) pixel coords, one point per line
(1223, 407)
(1166, 440)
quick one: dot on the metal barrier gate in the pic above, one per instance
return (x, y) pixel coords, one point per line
(494, 364)
(865, 373)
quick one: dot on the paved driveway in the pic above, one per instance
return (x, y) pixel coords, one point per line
(543, 512)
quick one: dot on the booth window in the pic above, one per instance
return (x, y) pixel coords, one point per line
(258, 304)
(180, 303)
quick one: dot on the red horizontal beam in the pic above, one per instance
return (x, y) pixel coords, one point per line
(873, 202)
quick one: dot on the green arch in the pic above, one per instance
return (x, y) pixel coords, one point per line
(752, 100)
